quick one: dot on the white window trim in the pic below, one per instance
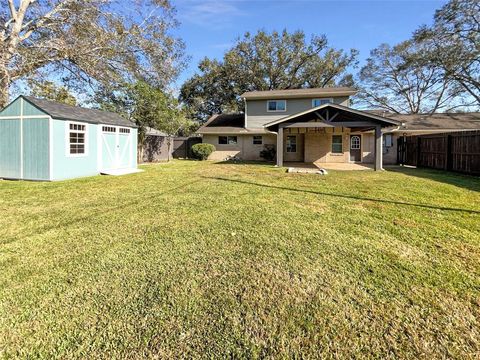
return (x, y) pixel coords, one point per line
(359, 142)
(67, 139)
(385, 141)
(313, 101)
(277, 110)
(227, 136)
(261, 139)
(331, 146)
(122, 133)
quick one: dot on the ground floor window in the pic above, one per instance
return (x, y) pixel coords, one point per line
(76, 138)
(291, 144)
(227, 140)
(257, 140)
(387, 140)
(337, 146)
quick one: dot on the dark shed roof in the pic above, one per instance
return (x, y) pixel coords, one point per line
(68, 112)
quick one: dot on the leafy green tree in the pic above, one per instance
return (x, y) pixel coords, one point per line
(265, 61)
(48, 90)
(454, 43)
(87, 43)
(148, 107)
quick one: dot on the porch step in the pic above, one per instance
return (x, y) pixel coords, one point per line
(307, 171)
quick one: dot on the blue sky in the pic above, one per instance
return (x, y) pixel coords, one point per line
(210, 27)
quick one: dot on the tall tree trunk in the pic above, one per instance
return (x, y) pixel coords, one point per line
(4, 84)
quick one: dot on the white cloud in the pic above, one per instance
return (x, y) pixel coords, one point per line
(213, 14)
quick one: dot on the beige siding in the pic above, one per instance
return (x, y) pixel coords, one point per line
(390, 154)
(318, 147)
(257, 114)
(244, 149)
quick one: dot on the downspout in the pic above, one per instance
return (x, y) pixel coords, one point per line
(246, 113)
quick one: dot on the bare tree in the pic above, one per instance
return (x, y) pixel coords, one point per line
(400, 79)
(87, 42)
(454, 43)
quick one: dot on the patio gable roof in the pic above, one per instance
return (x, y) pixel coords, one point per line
(332, 115)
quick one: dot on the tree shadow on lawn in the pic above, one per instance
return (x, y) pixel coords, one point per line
(468, 182)
(343, 196)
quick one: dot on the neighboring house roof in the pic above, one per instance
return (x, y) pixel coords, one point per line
(438, 121)
(154, 132)
(76, 113)
(228, 124)
(299, 93)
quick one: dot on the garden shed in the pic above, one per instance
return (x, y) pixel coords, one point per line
(46, 140)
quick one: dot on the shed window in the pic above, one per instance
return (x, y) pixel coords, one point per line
(387, 140)
(77, 138)
(276, 105)
(318, 102)
(124, 131)
(109, 129)
(291, 144)
(337, 146)
(227, 140)
(257, 140)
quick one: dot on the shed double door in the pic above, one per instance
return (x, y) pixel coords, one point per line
(116, 147)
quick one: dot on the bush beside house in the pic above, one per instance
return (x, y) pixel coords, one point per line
(202, 151)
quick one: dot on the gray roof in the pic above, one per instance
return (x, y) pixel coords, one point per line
(154, 132)
(228, 124)
(68, 112)
(438, 121)
(299, 93)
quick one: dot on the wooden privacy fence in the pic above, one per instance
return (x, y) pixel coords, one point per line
(455, 151)
(182, 146)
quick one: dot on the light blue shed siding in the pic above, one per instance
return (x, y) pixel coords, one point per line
(10, 148)
(109, 155)
(13, 109)
(35, 149)
(134, 147)
(67, 167)
(29, 109)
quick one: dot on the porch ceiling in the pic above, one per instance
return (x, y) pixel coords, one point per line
(332, 115)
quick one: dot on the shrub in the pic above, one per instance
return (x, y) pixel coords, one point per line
(202, 151)
(268, 153)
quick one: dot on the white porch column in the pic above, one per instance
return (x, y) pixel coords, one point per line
(280, 146)
(378, 148)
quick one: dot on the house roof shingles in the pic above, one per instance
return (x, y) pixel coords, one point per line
(76, 113)
(234, 123)
(299, 93)
(228, 124)
(439, 121)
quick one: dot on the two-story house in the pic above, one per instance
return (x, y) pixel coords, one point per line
(316, 126)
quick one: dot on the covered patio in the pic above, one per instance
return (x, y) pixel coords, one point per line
(331, 134)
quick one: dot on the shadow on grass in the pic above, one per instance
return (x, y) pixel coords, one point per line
(245, 162)
(139, 203)
(343, 196)
(469, 182)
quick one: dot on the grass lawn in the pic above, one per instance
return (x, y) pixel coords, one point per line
(197, 259)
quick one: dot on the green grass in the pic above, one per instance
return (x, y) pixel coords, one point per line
(197, 259)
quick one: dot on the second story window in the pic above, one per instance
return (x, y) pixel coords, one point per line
(318, 102)
(276, 105)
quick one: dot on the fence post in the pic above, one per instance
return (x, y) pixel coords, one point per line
(448, 153)
(419, 143)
